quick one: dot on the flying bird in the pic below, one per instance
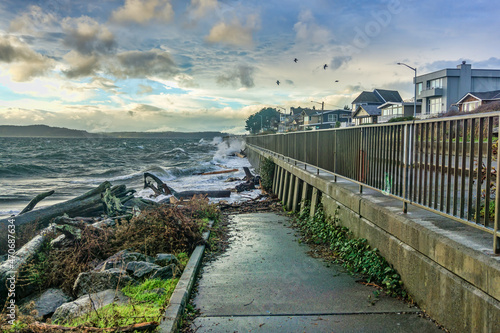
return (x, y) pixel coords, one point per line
(278, 82)
(325, 66)
(295, 59)
(336, 80)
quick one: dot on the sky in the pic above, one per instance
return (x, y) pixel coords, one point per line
(207, 65)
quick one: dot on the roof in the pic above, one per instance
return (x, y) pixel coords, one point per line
(309, 112)
(484, 95)
(397, 103)
(332, 111)
(378, 96)
(372, 110)
(367, 97)
(389, 95)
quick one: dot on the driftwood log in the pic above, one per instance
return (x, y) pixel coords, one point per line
(88, 204)
(10, 267)
(162, 188)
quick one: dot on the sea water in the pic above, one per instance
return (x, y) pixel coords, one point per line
(70, 167)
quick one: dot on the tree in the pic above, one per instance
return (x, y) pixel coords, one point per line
(268, 116)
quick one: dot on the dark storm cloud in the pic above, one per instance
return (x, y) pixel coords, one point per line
(242, 74)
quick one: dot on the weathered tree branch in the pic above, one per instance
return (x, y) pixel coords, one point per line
(35, 201)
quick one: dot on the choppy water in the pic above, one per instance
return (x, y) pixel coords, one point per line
(29, 166)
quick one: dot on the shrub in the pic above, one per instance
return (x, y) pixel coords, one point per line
(267, 173)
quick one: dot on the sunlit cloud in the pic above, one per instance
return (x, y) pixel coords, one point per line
(234, 33)
(143, 11)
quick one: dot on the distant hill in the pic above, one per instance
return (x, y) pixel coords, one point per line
(168, 135)
(44, 131)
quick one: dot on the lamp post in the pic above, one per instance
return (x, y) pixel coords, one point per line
(322, 109)
(409, 172)
(415, 96)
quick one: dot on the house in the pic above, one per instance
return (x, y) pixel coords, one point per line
(365, 106)
(366, 114)
(307, 118)
(391, 110)
(329, 118)
(474, 99)
(441, 89)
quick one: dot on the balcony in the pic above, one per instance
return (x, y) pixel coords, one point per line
(432, 92)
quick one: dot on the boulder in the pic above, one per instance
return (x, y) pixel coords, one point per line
(121, 259)
(87, 303)
(45, 303)
(93, 282)
(141, 269)
(164, 259)
(165, 273)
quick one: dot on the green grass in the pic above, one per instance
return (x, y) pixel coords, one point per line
(144, 306)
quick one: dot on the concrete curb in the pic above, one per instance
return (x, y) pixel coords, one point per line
(180, 296)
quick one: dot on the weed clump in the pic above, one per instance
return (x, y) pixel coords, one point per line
(355, 254)
(159, 230)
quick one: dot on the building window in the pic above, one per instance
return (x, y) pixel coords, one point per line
(470, 106)
(435, 105)
(437, 83)
(332, 118)
(392, 110)
(419, 88)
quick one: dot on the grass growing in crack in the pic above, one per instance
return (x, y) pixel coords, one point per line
(355, 254)
(147, 303)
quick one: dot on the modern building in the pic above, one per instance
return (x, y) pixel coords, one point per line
(391, 110)
(441, 89)
(365, 106)
(473, 100)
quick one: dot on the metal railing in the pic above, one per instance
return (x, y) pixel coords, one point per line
(445, 165)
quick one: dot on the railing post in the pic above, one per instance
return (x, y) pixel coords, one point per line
(405, 168)
(360, 164)
(335, 156)
(496, 239)
(317, 152)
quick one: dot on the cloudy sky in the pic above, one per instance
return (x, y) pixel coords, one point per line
(160, 65)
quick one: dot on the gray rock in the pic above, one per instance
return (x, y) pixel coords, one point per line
(141, 269)
(164, 259)
(121, 259)
(93, 282)
(166, 272)
(88, 303)
(45, 303)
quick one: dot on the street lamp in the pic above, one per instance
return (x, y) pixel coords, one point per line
(415, 98)
(322, 109)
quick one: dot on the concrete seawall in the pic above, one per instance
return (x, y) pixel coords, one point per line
(447, 267)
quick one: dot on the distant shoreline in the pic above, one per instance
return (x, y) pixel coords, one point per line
(44, 131)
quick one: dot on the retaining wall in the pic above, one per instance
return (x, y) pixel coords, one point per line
(447, 267)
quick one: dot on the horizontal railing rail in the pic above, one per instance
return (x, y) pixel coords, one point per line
(446, 165)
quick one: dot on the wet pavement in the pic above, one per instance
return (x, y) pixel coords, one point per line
(266, 282)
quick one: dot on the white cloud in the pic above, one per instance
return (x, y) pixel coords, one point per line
(234, 33)
(308, 31)
(200, 8)
(144, 11)
(32, 21)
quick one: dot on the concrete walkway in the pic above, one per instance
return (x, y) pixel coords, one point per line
(266, 282)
